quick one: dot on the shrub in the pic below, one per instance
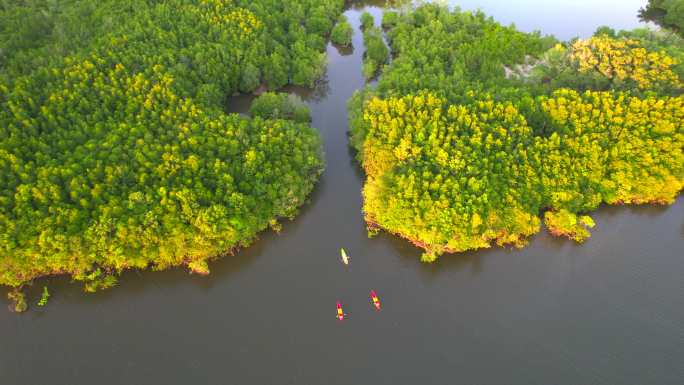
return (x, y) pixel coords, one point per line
(272, 105)
(390, 19)
(342, 32)
(367, 20)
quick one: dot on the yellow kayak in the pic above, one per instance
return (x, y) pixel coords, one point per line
(345, 257)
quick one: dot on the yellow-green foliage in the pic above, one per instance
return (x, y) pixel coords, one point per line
(640, 61)
(617, 148)
(459, 157)
(624, 60)
(565, 223)
(119, 155)
(457, 177)
(440, 174)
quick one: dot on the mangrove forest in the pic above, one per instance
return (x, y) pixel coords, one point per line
(117, 151)
(115, 148)
(476, 132)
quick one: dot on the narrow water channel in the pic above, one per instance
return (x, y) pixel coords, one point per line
(605, 312)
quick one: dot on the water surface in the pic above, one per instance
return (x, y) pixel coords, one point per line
(606, 312)
(563, 18)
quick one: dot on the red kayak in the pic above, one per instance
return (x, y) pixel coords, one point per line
(340, 312)
(375, 299)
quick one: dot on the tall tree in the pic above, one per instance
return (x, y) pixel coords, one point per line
(665, 13)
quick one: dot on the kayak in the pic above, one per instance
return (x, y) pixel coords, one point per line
(375, 299)
(345, 257)
(340, 312)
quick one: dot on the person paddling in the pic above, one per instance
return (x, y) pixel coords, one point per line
(375, 299)
(340, 312)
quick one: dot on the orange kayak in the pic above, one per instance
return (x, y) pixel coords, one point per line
(340, 312)
(375, 299)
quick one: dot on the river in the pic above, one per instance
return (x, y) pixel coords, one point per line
(605, 312)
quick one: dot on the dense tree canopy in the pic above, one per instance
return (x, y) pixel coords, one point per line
(653, 40)
(458, 155)
(115, 151)
(609, 63)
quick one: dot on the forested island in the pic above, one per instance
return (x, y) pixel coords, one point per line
(115, 150)
(476, 130)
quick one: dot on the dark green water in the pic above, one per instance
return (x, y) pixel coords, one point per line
(606, 312)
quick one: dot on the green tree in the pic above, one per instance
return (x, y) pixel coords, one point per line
(605, 31)
(367, 20)
(272, 105)
(250, 78)
(390, 19)
(665, 13)
(342, 32)
(277, 71)
(377, 53)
